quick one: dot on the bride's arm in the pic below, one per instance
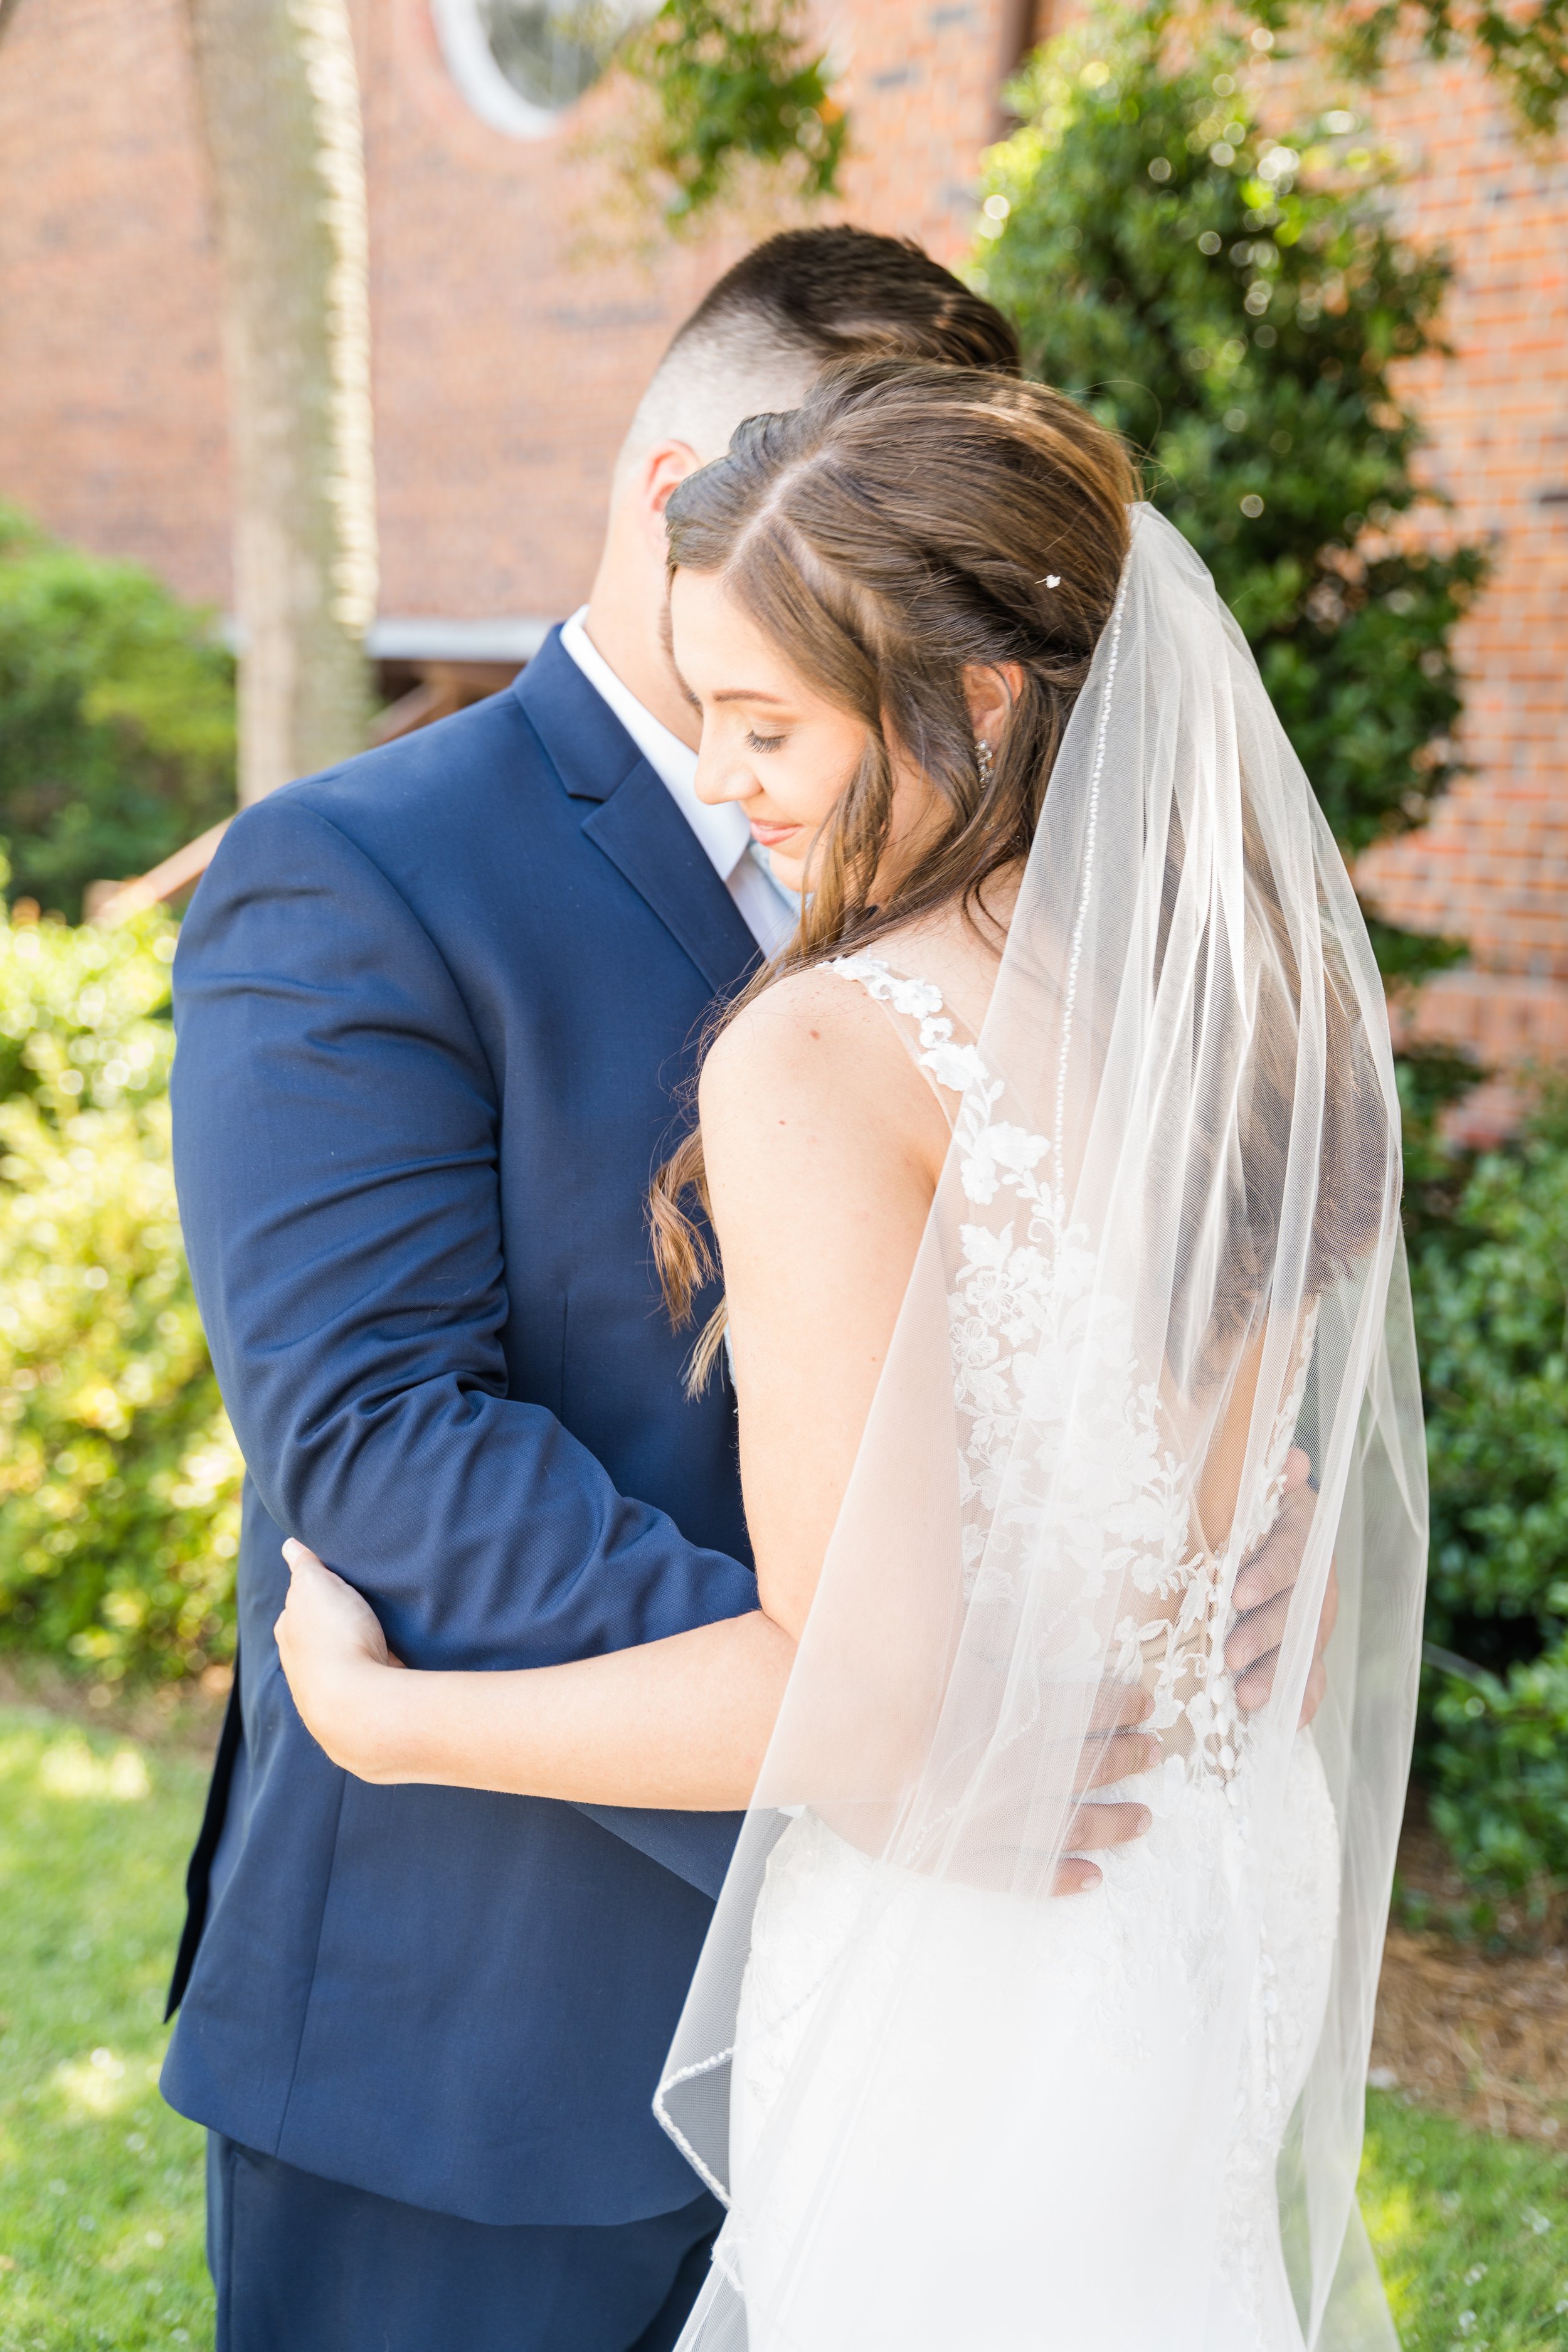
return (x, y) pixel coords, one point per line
(823, 1146)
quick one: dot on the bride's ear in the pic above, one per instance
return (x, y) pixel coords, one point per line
(991, 690)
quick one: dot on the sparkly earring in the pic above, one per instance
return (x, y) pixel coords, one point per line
(983, 756)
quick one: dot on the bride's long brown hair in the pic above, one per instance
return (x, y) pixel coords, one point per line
(902, 524)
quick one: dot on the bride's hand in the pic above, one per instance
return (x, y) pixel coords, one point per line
(335, 1657)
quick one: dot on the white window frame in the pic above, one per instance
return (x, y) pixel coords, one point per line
(470, 61)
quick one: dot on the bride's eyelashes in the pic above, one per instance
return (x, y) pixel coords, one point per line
(755, 743)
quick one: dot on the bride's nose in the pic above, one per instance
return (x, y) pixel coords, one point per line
(721, 777)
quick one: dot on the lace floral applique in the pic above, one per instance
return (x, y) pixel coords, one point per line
(1097, 1481)
(1026, 1347)
(956, 1068)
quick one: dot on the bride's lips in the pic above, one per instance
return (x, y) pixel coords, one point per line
(771, 836)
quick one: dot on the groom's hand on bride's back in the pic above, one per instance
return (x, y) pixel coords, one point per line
(1116, 1750)
(1264, 1590)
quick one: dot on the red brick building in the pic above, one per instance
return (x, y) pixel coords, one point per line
(1492, 868)
(507, 363)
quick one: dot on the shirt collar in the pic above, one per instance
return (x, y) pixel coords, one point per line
(722, 832)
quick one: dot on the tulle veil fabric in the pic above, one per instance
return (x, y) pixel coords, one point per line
(1176, 1165)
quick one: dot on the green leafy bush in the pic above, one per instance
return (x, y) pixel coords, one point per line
(1497, 1763)
(117, 718)
(1491, 1300)
(1523, 46)
(1232, 303)
(119, 1474)
(732, 86)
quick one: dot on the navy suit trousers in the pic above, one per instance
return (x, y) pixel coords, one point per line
(303, 2265)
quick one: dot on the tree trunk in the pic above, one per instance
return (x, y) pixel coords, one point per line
(280, 103)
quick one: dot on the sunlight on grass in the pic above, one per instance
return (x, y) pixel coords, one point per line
(103, 2086)
(69, 1767)
(1472, 2233)
(100, 2187)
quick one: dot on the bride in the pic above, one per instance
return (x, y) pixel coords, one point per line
(1053, 1173)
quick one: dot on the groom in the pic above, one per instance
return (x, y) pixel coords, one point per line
(432, 1007)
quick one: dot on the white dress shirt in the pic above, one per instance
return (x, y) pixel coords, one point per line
(769, 911)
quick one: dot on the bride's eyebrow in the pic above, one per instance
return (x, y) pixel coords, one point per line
(751, 694)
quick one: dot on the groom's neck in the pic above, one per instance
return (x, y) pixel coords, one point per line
(626, 622)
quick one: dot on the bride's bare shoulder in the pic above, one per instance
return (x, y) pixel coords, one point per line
(799, 1032)
(814, 1058)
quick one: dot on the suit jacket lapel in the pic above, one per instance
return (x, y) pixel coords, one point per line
(631, 817)
(644, 834)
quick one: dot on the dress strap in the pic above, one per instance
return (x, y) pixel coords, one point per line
(927, 1028)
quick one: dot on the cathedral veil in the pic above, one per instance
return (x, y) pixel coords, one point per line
(1175, 1173)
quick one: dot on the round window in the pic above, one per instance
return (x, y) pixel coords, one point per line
(551, 53)
(519, 63)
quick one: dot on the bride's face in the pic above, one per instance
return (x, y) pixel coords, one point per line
(770, 740)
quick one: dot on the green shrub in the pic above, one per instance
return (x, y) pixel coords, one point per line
(119, 1474)
(1496, 1767)
(117, 718)
(733, 86)
(1492, 1305)
(1233, 304)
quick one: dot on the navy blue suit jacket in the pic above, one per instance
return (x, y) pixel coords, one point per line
(431, 1010)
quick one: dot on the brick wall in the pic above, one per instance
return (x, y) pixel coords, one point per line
(1492, 867)
(110, 375)
(509, 353)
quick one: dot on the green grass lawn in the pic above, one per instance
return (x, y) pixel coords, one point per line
(101, 2203)
(1472, 2233)
(101, 2190)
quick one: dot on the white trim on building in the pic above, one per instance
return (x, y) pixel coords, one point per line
(415, 638)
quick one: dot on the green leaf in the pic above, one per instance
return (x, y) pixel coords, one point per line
(730, 85)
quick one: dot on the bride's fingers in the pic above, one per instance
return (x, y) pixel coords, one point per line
(305, 1564)
(324, 1615)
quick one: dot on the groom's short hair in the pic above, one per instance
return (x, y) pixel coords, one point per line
(761, 337)
(847, 293)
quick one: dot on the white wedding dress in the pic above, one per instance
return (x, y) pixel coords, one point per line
(1114, 1984)
(949, 2110)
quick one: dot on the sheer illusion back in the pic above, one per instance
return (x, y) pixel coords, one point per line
(1175, 1647)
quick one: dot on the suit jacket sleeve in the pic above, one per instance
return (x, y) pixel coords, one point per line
(335, 1145)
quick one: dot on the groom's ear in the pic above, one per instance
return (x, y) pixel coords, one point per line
(645, 491)
(668, 463)
(659, 474)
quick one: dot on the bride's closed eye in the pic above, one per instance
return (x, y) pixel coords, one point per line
(755, 743)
